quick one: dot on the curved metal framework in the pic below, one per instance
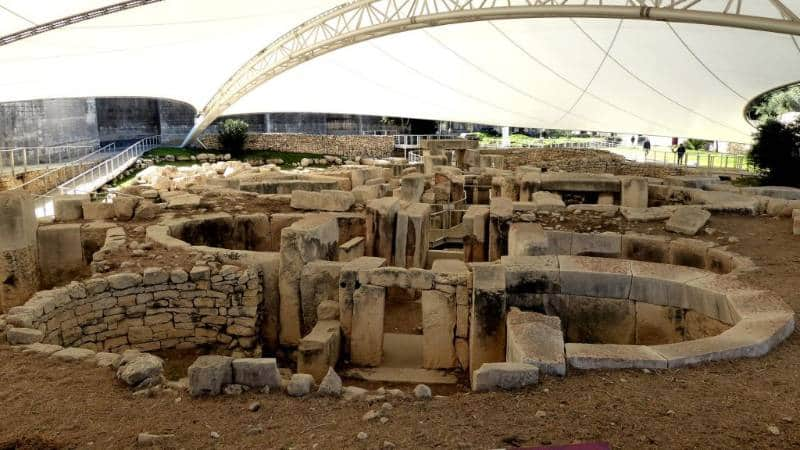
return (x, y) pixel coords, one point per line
(73, 19)
(362, 20)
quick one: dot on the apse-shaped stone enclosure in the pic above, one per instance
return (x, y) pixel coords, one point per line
(753, 321)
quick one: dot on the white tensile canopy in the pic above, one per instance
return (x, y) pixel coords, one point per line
(597, 69)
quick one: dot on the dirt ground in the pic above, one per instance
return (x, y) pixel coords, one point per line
(724, 405)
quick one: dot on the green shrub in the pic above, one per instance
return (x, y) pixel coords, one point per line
(232, 136)
(696, 144)
(776, 153)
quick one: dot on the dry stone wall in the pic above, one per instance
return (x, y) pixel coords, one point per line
(156, 309)
(581, 160)
(344, 146)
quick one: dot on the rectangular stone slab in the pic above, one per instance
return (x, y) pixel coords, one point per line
(610, 356)
(535, 339)
(595, 277)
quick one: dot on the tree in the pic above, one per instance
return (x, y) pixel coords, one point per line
(232, 136)
(776, 153)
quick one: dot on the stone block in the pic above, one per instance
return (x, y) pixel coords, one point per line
(60, 253)
(526, 239)
(320, 283)
(366, 343)
(476, 233)
(69, 208)
(548, 201)
(689, 252)
(641, 247)
(311, 239)
(124, 207)
(73, 354)
(18, 249)
(606, 245)
(487, 336)
(559, 242)
(528, 278)
(594, 320)
(352, 249)
(662, 284)
(656, 324)
(256, 372)
(535, 339)
(579, 182)
(320, 349)
(98, 210)
(687, 220)
(504, 376)
(23, 336)
(411, 187)
(348, 281)
(325, 200)
(655, 214)
(300, 385)
(500, 217)
(412, 236)
(610, 356)
(634, 192)
(796, 222)
(380, 227)
(595, 277)
(208, 374)
(438, 330)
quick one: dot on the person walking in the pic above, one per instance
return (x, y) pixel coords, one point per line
(646, 147)
(681, 152)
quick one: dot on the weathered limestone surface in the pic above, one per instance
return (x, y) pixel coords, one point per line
(526, 239)
(476, 237)
(320, 349)
(19, 261)
(366, 344)
(412, 236)
(68, 208)
(307, 240)
(642, 247)
(411, 187)
(547, 201)
(256, 372)
(352, 249)
(348, 282)
(60, 253)
(380, 227)
(500, 216)
(579, 182)
(595, 277)
(438, 329)
(610, 356)
(319, 283)
(687, 220)
(528, 278)
(634, 192)
(487, 337)
(607, 245)
(535, 339)
(208, 374)
(504, 376)
(325, 200)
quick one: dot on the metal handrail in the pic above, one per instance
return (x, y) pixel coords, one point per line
(98, 175)
(23, 157)
(110, 148)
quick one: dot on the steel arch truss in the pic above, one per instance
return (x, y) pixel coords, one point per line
(73, 19)
(362, 20)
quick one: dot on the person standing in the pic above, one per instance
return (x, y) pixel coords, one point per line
(681, 152)
(646, 147)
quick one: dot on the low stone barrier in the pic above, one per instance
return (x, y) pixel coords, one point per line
(346, 146)
(156, 309)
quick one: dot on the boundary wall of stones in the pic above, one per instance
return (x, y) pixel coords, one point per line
(345, 146)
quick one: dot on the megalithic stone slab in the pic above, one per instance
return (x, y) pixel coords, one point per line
(411, 237)
(366, 343)
(487, 336)
(380, 227)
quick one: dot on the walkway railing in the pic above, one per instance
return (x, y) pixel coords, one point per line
(96, 156)
(413, 141)
(564, 144)
(22, 159)
(106, 171)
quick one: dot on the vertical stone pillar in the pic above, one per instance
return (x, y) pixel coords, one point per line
(412, 187)
(348, 281)
(528, 184)
(412, 236)
(500, 215)
(19, 263)
(476, 238)
(366, 345)
(487, 332)
(438, 329)
(381, 222)
(634, 192)
(310, 239)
